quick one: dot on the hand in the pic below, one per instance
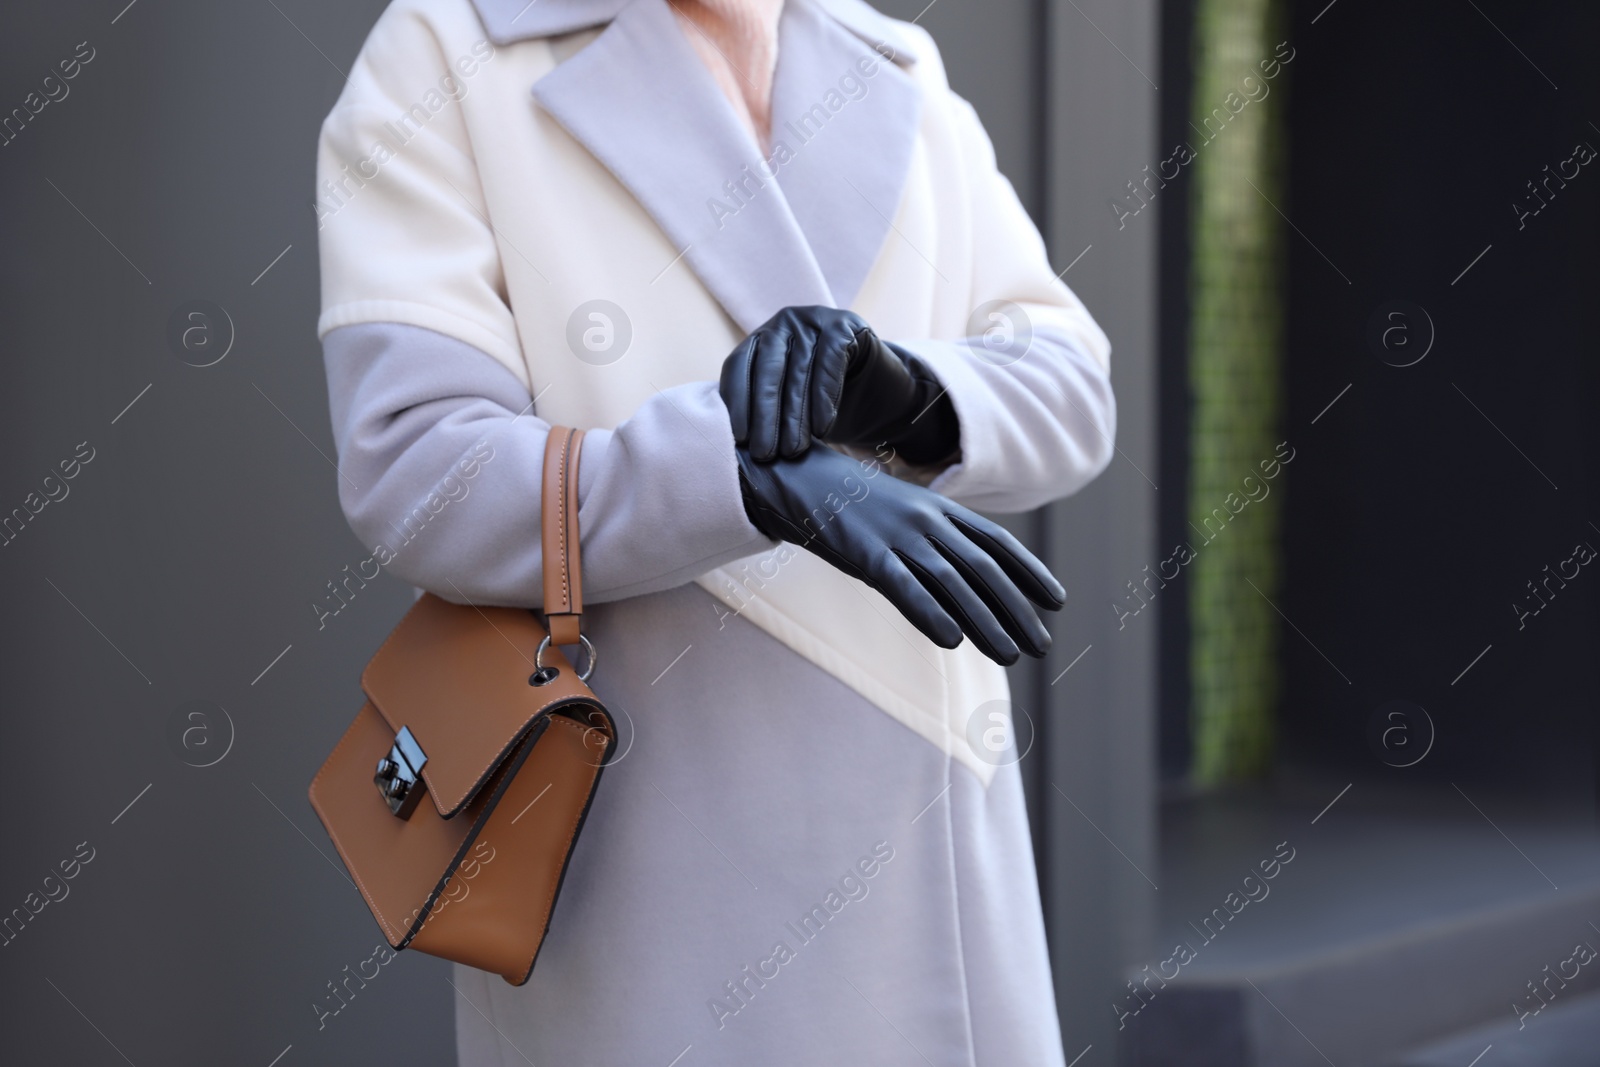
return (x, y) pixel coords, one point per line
(821, 372)
(948, 570)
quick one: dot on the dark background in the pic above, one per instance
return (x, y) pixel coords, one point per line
(1413, 523)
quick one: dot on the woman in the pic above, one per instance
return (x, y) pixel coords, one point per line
(813, 849)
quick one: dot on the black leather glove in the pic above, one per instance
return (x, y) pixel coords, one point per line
(948, 570)
(819, 371)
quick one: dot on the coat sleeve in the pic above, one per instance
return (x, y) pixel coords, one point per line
(439, 439)
(440, 460)
(1031, 387)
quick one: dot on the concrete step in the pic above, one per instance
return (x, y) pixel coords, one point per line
(1387, 931)
(1359, 1004)
(1564, 1034)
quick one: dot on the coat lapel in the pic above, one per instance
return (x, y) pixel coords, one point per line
(804, 230)
(849, 116)
(639, 99)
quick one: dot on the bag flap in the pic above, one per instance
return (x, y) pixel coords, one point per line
(457, 676)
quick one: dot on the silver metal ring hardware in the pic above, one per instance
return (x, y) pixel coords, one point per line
(541, 669)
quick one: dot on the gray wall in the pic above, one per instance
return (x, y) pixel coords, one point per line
(1099, 859)
(185, 556)
(176, 575)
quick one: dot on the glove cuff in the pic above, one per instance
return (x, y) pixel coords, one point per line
(894, 399)
(930, 432)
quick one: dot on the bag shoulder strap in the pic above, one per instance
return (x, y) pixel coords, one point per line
(563, 573)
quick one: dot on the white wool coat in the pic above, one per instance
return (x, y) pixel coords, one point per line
(536, 214)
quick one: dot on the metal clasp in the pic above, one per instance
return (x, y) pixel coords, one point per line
(398, 776)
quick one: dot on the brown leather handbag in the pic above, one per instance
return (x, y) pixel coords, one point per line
(476, 709)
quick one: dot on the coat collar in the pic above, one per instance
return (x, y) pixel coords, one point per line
(757, 242)
(519, 20)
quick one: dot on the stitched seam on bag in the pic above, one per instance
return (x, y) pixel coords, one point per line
(569, 486)
(561, 517)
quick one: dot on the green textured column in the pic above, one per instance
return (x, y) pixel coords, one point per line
(1235, 352)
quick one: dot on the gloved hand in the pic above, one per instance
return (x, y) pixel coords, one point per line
(948, 570)
(819, 371)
